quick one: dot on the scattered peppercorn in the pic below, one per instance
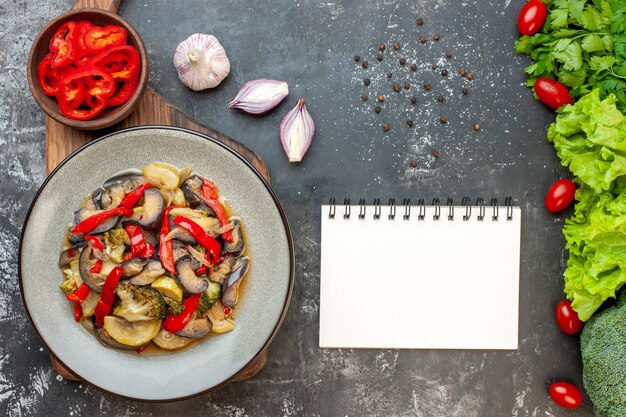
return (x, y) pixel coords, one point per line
(357, 58)
(386, 127)
(396, 45)
(388, 74)
(366, 82)
(444, 72)
(379, 57)
(381, 47)
(440, 99)
(436, 154)
(477, 127)
(413, 67)
(443, 120)
(364, 97)
(448, 54)
(464, 91)
(413, 100)
(409, 123)
(470, 76)
(423, 38)
(381, 98)
(419, 21)
(407, 85)
(434, 66)
(436, 36)
(402, 61)
(426, 86)
(397, 88)
(413, 163)
(365, 64)
(377, 109)
(462, 72)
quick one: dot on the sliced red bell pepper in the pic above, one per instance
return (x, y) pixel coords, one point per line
(91, 222)
(141, 348)
(126, 55)
(95, 242)
(49, 78)
(227, 310)
(62, 45)
(99, 38)
(166, 251)
(107, 296)
(211, 197)
(80, 50)
(80, 294)
(137, 244)
(98, 87)
(124, 92)
(149, 251)
(97, 267)
(70, 95)
(176, 322)
(201, 270)
(127, 257)
(212, 246)
(131, 198)
(78, 311)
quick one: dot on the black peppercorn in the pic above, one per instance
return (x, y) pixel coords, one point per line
(443, 120)
(409, 123)
(413, 67)
(396, 88)
(365, 64)
(407, 85)
(381, 47)
(462, 72)
(366, 82)
(436, 36)
(379, 57)
(448, 54)
(426, 86)
(396, 45)
(380, 98)
(434, 66)
(413, 163)
(419, 21)
(436, 154)
(470, 76)
(440, 99)
(402, 61)
(364, 97)
(413, 100)
(444, 73)
(423, 38)
(357, 58)
(464, 91)
(377, 109)
(386, 127)
(388, 74)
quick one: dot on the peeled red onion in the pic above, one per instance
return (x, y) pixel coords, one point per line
(296, 132)
(260, 96)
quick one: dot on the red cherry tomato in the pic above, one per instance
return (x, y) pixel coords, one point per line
(532, 17)
(552, 93)
(565, 394)
(567, 318)
(560, 195)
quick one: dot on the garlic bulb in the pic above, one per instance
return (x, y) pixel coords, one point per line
(201, 62)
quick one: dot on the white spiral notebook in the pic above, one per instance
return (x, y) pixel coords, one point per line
(420, 277)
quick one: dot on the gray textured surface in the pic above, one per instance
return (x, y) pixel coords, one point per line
(310, 44)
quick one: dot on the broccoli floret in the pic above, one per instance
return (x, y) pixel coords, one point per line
(69, 286)
(209, 297)
(174, 307)
(115, 241)
(603, 349)
(139, 303)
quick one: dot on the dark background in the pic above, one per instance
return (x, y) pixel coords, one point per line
(311, 44)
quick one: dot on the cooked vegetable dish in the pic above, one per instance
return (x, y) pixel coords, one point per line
(152, 256)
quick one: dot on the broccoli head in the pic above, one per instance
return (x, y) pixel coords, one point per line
(174, 307)
(603, 349)
(69, 286)
(115, 243)
(139, 303)
(209, 297)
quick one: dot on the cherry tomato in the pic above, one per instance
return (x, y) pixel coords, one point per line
(552, 93)
(560, 195)
(565, 394)
(567, 318)
(532, 17)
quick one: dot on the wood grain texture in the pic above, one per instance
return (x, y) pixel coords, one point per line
(110, 5)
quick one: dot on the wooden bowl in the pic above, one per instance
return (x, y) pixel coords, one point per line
(39, 50)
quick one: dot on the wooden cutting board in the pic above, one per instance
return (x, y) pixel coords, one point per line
(153, 109)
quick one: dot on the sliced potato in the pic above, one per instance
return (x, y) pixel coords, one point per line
(135, 333)
(169, 341)
(161, 176)
(90, 303)
(168, 287)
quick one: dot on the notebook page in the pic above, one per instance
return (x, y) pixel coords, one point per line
(433, 284)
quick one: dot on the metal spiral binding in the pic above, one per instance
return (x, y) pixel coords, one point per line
(480, 202)
(362, 209)
(422, 207)
(346, 211)
(437, 206)
(392, 209)
(494, 205)
(407, 209)
(377, 208)
(450, 209)
(467, 202)
(508, 202)
(331, 209)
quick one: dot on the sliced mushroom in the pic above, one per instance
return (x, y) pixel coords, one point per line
(68, 256)
(115, 188)
(230, 287)
(192, 188)
(235, 247)
(149, 237)
(187, 278)
(85, 263)
(134, 266)
(153, 206)
(77, 240)
(107, 224)
(197, 327)
(222, 270)
(148, 274)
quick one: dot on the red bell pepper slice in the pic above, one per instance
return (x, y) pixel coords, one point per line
(137, 244)
(149, 251)
(62, 45)
(80, 294)
(107, 296)
(91, 222)
(126, 55)
(70, 95)
(227, 310)
(141, 348)
(212, 246)
(99, 38)
(131, 198)
(78, 311)
(166, 251)
(125, 92)
(211, 197)
(201, 270)
(176, 322)
(95, 242)
(97, 267)
(127, 257)
(49, 78)
(80, 49)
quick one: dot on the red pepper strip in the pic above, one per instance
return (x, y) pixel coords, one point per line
(127, 257)
(210, 197)
(125, 92)
(78, 311)
(137, 244)
(201, 270)
(80, 294)
(176, 322)
(49, 79)
(130, 60)
(149, 251)
(80, 50)
(202, 237)
(91, 222)
(131, 198)
(141, 348)
(98, 38)
(95, 242)
(70, 95)
(166, 251)
(107, 296)
(62, 45)
(97, 267)
(227, 310)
